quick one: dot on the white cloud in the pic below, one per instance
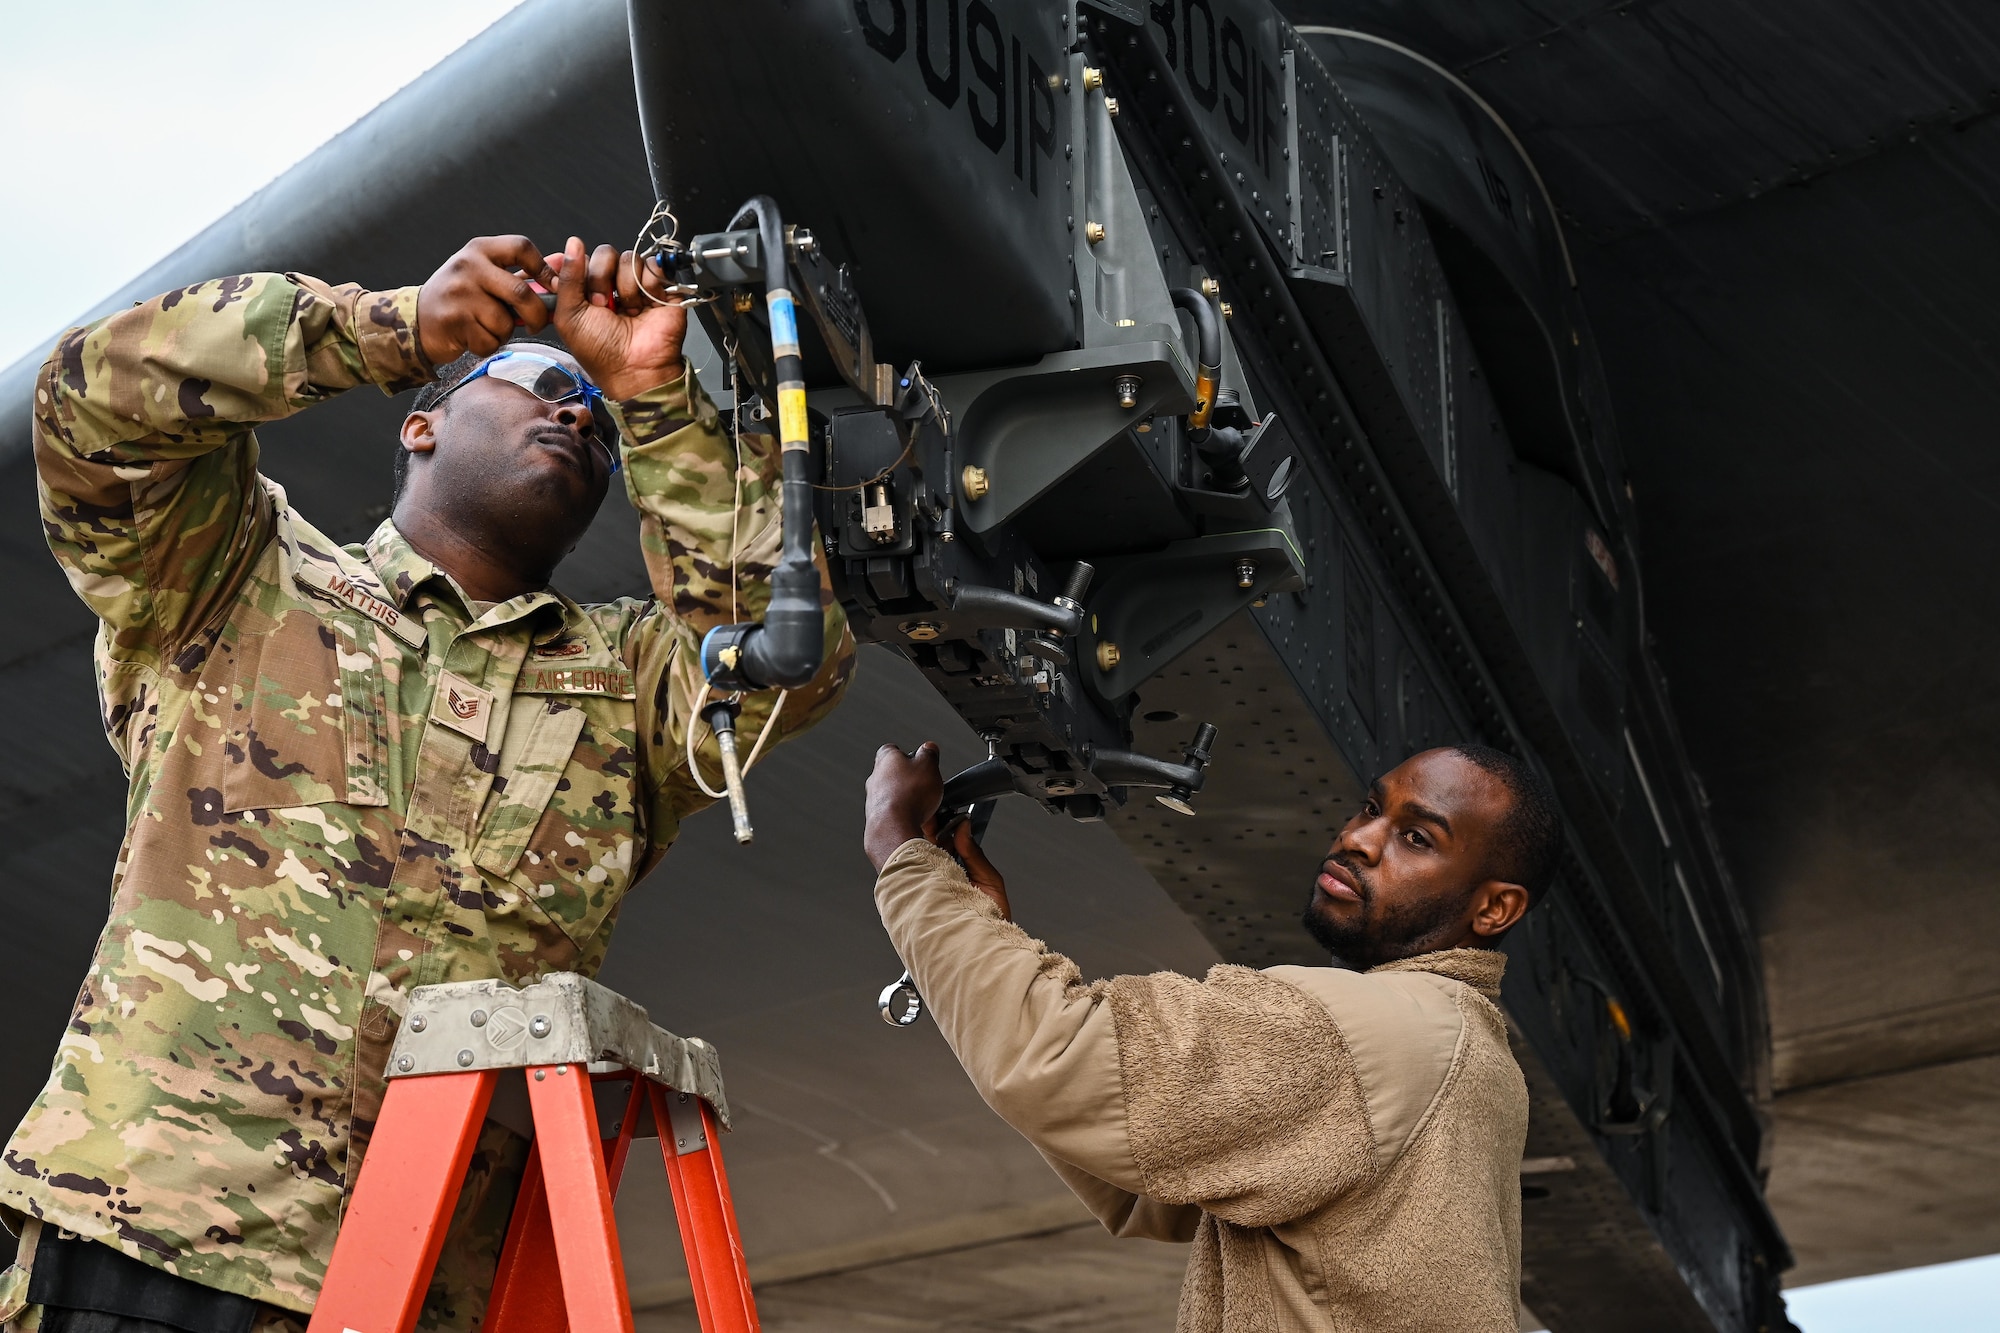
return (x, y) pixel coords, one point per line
(127, 127)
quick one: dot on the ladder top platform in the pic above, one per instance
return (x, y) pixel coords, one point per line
(562, 1019)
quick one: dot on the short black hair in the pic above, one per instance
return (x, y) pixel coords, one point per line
(1531, 839)
(450, 375)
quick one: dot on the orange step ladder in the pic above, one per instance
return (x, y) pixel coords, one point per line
(553, 1059)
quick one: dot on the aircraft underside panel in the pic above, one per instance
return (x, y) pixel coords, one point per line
(1028, 201)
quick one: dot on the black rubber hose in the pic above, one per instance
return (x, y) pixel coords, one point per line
(785, 651)
(790, 373)
(1208, 336)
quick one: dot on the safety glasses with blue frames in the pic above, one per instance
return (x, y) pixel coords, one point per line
(552, 382)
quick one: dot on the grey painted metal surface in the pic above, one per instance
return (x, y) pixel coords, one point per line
(559, 1019)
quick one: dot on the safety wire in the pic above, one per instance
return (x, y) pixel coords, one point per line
(648, 240)
(698, 687)
(698, 690)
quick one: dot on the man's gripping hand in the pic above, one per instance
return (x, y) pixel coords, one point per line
(982, 873)
(475, 300)
(903, 795)
(624, 338)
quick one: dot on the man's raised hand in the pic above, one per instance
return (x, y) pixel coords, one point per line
(477, 297)
(903, 795)
(625, 340)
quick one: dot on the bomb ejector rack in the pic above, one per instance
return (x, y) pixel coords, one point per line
(1017, 640)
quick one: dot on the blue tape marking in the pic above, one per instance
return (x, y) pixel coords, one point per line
(784, 321)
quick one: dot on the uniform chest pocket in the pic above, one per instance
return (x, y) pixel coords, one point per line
(562, 822)
(302, 713)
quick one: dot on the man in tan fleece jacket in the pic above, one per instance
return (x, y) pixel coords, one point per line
(1342, 1144)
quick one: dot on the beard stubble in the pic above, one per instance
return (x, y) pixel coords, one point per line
(1380, 934)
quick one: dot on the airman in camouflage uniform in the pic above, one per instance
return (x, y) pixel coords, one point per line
(356, 770)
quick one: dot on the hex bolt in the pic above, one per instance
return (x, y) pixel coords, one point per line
(1093, 232)
(479, 1018)
(416, 1022)
(1228, 311)
(1246, 573)
(974, 482)
(1093, 77)
(405, 1063)
(464, 1059)
(539, 1025)
(1107, 654)
(1210, 287)
(1127, 387)
(1111, 107)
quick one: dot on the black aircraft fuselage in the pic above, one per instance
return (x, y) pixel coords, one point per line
(1403, 521)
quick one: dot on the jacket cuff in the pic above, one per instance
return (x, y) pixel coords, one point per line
(664, 409)
(385, 330)
(919, 867)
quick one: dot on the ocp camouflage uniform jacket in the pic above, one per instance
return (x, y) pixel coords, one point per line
(345, 782)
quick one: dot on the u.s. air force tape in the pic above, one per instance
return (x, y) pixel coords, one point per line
(612, 683)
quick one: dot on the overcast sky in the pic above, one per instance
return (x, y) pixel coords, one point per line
(1948, 1298)
(127, 127)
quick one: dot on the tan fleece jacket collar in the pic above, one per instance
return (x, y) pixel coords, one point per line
(1480, 969)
